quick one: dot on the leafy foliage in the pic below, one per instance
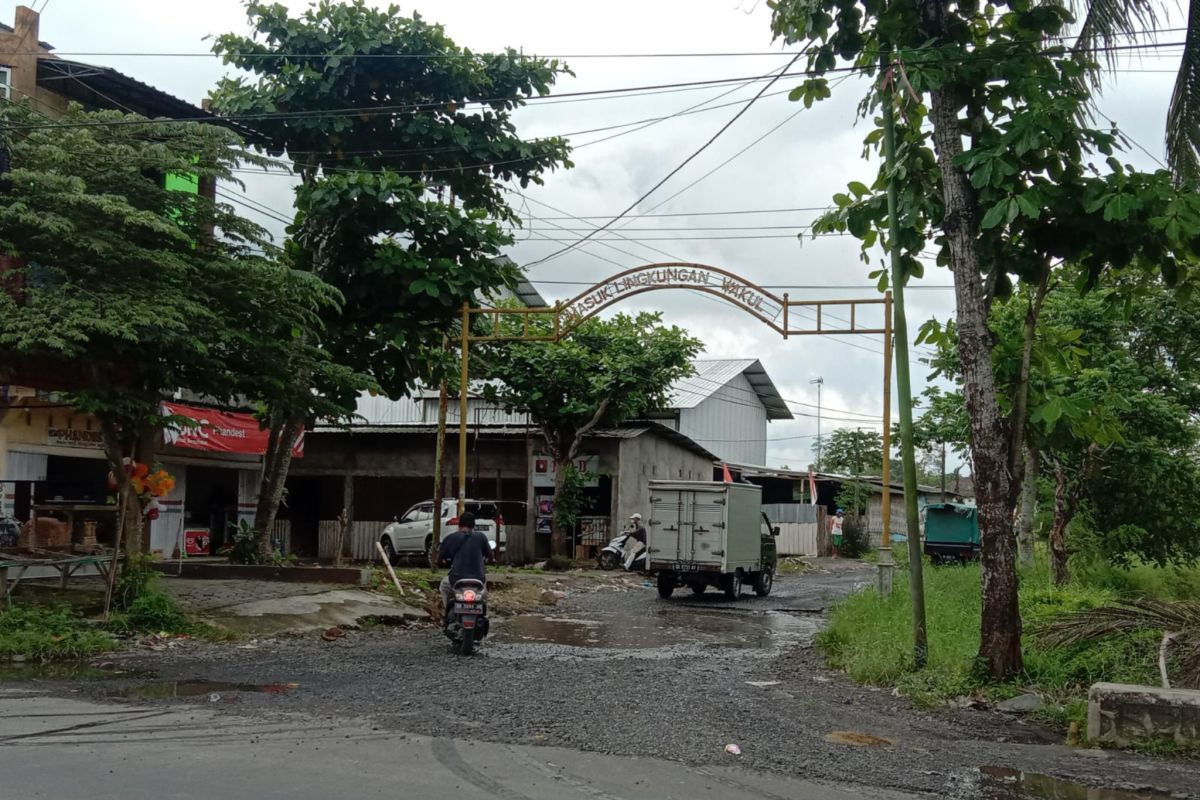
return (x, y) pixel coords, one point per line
(378, 130)
(850, 451)
(602, 374)
(125, 291)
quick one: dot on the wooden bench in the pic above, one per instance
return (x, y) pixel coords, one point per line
(13, 570)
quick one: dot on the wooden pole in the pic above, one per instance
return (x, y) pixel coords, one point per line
(463, 387)
(439, 458)
(916, 578)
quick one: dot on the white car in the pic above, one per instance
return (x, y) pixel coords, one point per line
(412, 534)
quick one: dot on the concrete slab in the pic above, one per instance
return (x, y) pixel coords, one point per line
(1119, 713)
(306, 612)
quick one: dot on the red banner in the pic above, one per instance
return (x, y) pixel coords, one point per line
(220, 431)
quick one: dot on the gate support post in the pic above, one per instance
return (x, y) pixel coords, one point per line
(886, 564)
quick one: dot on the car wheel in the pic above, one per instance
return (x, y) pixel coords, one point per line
(389, 551)
(430, 553)
(763, 582)
(733, 586)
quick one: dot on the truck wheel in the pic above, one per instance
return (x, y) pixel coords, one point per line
(733, 586)
(666, 584)
(763, 581)
(698, 588)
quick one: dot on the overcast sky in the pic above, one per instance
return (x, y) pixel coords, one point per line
(808, 156)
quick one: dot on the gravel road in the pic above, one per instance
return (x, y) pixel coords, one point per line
(622, 672)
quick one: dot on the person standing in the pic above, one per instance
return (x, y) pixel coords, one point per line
(637, 539)
(835, 531)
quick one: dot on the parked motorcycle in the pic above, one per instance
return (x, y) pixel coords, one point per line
(613, 555)
(467, 622)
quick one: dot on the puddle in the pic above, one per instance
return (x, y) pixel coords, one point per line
(169, 689)
(60, 671)
(654, 630)
(1003, 783)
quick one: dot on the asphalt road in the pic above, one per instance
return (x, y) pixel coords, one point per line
(612, 694)
(65, 748)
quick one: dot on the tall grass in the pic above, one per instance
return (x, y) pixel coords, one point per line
(871, 638)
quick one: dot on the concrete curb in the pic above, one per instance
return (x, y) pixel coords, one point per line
(345, 576)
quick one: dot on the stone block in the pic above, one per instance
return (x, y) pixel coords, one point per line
(1119, 713)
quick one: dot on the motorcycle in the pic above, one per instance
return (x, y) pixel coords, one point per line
(613, 555)
(467, 622)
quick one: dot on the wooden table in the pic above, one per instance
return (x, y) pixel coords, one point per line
(65, 567)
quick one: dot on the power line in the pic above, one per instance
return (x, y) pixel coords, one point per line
(681, 165)
(550, 99)
(480, 56)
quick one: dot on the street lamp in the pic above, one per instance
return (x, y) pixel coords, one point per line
(819, 381)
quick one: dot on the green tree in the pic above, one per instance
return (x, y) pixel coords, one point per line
(401, 140)
(603, 373)
(853, 451)
(122, 294)
(999, 171)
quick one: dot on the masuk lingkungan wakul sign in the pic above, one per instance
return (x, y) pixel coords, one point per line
(699, 277)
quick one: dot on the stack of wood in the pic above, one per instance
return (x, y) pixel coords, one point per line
(44, 532)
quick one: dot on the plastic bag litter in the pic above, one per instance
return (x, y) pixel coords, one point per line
(733, 750)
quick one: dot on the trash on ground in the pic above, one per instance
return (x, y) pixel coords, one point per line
(733, 750)
(761, 684)
(333, 633)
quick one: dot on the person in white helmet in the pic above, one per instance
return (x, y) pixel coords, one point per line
(637, 539)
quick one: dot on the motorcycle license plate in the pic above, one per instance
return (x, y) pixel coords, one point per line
(685, 566)
(466, 608)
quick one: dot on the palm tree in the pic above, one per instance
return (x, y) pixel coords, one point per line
(1105, 21)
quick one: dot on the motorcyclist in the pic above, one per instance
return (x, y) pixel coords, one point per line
(466, 552)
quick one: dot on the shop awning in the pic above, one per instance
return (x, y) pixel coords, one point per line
(219, 431)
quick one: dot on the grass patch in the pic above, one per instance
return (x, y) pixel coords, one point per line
(870, 638)
(50, 633)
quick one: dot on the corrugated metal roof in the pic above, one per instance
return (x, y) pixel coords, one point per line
(712, 375)
(112, 89)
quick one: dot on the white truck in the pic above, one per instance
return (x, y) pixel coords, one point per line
(710, 534)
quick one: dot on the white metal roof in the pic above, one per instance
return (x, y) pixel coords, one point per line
(712, 375)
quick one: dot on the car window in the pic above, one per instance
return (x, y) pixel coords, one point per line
(482, 510)
(423, 512)
(766, 527)
(410, 515)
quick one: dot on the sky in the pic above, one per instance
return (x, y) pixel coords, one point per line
(776, 156)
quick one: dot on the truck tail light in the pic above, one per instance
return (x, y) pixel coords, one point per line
(452, 521)
(499, 519)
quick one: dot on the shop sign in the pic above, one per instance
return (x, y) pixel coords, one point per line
(75, 437)
(219, 431)
(545, 468)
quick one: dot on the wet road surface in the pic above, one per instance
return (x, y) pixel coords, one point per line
(604, 696)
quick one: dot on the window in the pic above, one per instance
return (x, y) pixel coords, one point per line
(6, 82)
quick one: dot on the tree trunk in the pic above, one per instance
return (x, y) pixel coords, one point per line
(342, 550)
(117, 448)
(1000, 628)
(1028, 506)
(276, 462)
(558, 538)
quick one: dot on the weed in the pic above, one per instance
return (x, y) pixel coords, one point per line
(44, 633)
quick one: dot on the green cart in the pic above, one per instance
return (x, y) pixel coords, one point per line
(951, 533)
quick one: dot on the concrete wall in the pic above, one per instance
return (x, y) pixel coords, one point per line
(649, 457)
(1119, 713)
(731, 423)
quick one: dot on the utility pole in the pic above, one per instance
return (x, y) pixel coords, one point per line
(819, 381)
(916, 578)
